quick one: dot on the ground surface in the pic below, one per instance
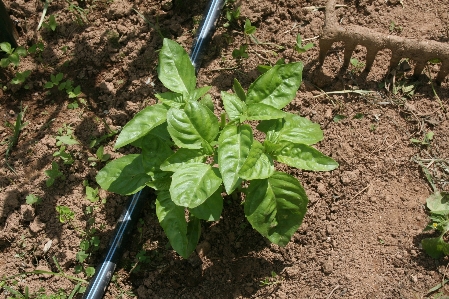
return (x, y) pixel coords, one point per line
(361, 235)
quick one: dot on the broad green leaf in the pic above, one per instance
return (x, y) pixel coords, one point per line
(6, 47)
(210, 210)
(234, 106)
(259, 111)
(193, 126)
(238, 89)
(125, 175)
(277, 87)
(199, 92)
(257, 165)
(438, 202)
(175, 70)
(160, 132)
(435, 247)
(234, 147)
(14, 58)
(276, 206)
(66, 139)
(142, 123)
(304, 157)
(154, 152)
(181, 157)
(207, 101)
(160, 183)
(172, 99)
(21, 51)
(293, 128)
(193, 184)
(183, 236)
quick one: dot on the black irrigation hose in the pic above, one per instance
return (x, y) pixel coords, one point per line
(134, 206)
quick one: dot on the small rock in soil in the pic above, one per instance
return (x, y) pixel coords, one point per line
(36, 226)
(328, 267)
(27, 212)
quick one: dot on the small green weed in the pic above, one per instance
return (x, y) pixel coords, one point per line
(53, 174)
(32, 199)
(13, 55)
(425, 141)
(274, 279)
(65, 214)
(18, 126)
(394, 28)
(357, 65)
(438, 205)
(299, 47)
(232, 14)
(51, 23)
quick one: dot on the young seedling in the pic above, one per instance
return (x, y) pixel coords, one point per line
(53, 174)
(100, 156)
(65, 214)
(17, 128)
(232, 14)
(299, 47)
(190, 157)
(438, 204)
(51, 23)
(357, 65)
(13, 55)
(32, 199)
(55, 80)
(425, 141)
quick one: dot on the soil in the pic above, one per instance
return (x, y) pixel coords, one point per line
(361, 236)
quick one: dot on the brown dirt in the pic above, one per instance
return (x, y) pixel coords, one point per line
(361, 235)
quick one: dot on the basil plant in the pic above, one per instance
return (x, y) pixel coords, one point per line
(192, 158)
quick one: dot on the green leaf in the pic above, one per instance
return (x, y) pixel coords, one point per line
(260, 111)
(125, 175)
(175, 70)
(238, 89)
(435, 247)
(160, 183)
(199, 92)
(234, 106)
(193, 184)
(207, 101)
(210, 210)
(194, 127)
(183, 236)
(276, 206)
(142, 123)
(181, 157)
(81, 256)
(65, 139)
(154, 151)
(90, 271)
(437, 202)
(14, 58)
(58, 77)
(338, 117)
(234, 147)
(33, 199)
(92, 194)
(49, 84)
(21, 51)
(257, 165)
(293, 128)
(248, 28)
(172, 99)
(4, 62)
(6, 47)
(304, 157)
(277, 87)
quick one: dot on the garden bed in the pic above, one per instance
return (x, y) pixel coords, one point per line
(361, 235)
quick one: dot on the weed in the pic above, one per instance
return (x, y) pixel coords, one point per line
(299, 47)
(357, 65)
(53, 174)
(426, 139)
(438, 204)
(51, 24)
(274, 279)
(100, 156)
(13, 55)
(241, 52)
(65, 214)
(32, 199)
(182, 142)
(232, 14)
(17, 128)
(394, 28)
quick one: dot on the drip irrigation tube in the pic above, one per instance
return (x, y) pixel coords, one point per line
(103, 274)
